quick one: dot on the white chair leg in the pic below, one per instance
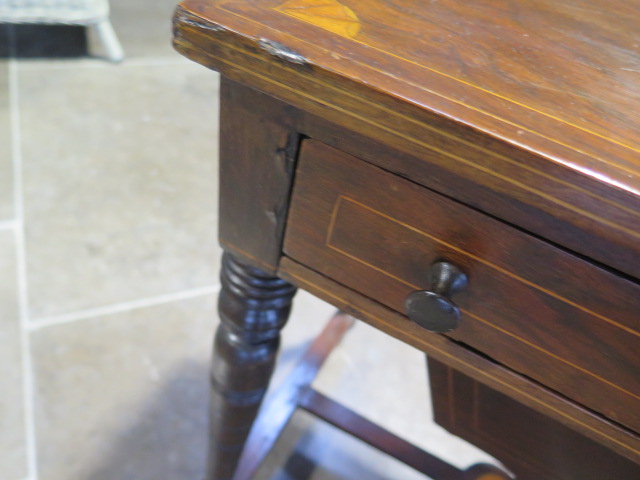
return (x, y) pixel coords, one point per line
(112, 45)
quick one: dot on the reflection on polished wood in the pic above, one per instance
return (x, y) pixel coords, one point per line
(253, 307)
(532, 100)
(365, 140)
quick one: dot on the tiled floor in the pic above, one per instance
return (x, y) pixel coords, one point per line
(108, 276)
(12, 415)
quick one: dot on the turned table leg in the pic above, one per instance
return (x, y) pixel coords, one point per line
(253, 307)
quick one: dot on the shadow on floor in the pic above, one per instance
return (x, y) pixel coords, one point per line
(168, 442)
(167, 439)
(43, 41)
(312, 450)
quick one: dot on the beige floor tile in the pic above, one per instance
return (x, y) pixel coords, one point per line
(308, 317)
(12, 428)
(120, 173)
(311, 450)
(378, 377)
(143, 27)
(123, 397)
(6, 161)
(386, 381)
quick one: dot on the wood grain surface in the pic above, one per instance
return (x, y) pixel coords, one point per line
(533, 446)
(253, 306)
(535, 101)
(473, 364)
(535, 308)
(524, 114)
(562, 71)
(257, 158)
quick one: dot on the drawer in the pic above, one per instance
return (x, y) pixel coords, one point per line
(529, 305)
(531, 445)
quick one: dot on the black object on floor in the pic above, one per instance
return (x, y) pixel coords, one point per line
(43, 41)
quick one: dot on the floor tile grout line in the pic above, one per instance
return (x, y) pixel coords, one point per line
(23, 293)
(34, 65)
(38, 324)
(8, 224)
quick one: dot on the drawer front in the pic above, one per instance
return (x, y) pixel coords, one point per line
(550, 315)
(531, 445)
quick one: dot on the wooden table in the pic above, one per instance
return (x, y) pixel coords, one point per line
(464, 176)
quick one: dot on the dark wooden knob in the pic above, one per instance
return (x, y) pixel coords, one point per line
(433, 309)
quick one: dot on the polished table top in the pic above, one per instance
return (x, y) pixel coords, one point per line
(561, 78)
(524, 111)
(540, 97)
